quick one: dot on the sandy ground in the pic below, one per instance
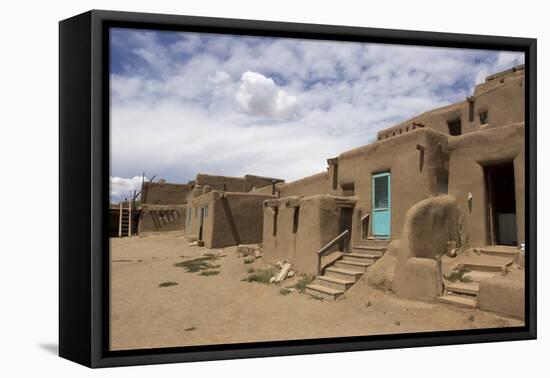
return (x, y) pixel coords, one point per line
(222, 309)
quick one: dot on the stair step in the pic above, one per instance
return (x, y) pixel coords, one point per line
(370, 248)
(346, 274)
(488, 264)
(334, 283)
(360, 257)
(499, 250)
(478, 276)
(458, 301)
(462, 288)
(353, 265)
(323, 292)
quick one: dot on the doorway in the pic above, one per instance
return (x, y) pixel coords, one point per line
(345, 223)
(501, 204)
(381, 205)
(201, 222)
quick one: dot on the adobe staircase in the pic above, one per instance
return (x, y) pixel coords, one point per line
(343, 273)
(490, 262)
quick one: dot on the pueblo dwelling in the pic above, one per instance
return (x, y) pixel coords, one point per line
(439, 193)
(448, 179)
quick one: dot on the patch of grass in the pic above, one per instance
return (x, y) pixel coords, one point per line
(284, 291)
(458, 275)
(190, 329)
(168, 284)
(304, 280)
(250, 270)
(209, 273)
(197, 264)
(261, 276)
(248, 261)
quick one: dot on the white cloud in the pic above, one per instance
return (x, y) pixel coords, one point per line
(260, 96)
(273, 107)
(122, 188)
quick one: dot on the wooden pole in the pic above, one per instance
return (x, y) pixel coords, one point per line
(120, 221)
(129, 218)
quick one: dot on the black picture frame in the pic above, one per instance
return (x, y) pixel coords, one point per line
(84, 187)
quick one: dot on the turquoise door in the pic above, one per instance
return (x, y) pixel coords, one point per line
(381, 205)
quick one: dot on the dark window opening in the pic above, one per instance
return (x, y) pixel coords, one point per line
(335, 176)
(455, 127)
(443, 184)
(348, 189)
(393, 134)
(471, 111)
(400, 131)
(275, 220)
(484, 117)
(387, 135)
(296, 219)
(414, 127)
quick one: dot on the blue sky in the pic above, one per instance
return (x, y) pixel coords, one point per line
(183, 103)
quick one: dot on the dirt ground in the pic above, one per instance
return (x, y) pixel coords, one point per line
(220, 309)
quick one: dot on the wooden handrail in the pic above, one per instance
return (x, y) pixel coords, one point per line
(327, 246)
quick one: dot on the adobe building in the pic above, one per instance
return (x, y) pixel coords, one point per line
(163, 206)
(451, 175)
(224, 211)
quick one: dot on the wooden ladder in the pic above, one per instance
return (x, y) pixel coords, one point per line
(124, 220)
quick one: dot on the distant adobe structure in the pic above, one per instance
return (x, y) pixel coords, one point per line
(224, 211)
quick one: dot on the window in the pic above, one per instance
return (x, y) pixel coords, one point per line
(275, 220)
(471, 111)
(443, 184)
(296, 219)
(189, 216)
(455, 127)
(484, 117)
(206, 211)
(335, 176)
(348, 189)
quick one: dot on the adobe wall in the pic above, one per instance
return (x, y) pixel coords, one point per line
(247, 212)
(468, 154)
(162, 193)
(502, 95)
(308, 186)
(318, 224)
(428, 226)
(230, 184)
(234, 184)
(413, 173)
(155, 218)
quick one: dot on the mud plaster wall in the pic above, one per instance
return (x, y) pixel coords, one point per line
(318, 224)
(308, 186)
(233, 184)
(157, 193)
(230, 184)
(413, 177)
(427, 228)
(168, 218)
(247, 213)
(503, 98)
(468, 155)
